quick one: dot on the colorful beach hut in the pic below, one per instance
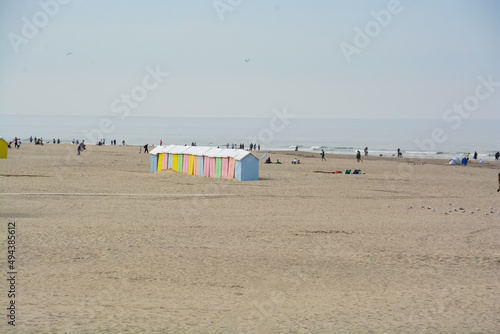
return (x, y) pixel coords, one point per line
(195, 160)
(167, 155)
(4, 149)
(206, 161)
(167, 159)
(178, 157)
(210, 162)
(226, 167)
(155, 165)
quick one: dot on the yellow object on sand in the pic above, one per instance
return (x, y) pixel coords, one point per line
(4, 149)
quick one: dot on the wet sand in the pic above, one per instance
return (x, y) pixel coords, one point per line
(105, 246)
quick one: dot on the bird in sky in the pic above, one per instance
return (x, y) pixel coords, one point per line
(247, 60)
(69, 54)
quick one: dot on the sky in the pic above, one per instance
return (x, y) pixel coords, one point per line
(244, 58)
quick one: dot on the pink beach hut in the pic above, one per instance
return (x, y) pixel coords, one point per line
(185, 164)
(210, 157)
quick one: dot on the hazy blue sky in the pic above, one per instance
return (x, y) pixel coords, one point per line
(318, 58)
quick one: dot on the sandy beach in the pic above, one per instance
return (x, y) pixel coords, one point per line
(104, 246)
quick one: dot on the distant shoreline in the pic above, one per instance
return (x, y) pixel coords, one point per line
(489, 163)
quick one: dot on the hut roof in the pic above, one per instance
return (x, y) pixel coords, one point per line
(178, 149)
(167, 148)
(207, 151)
(156, 150)
(197, 150)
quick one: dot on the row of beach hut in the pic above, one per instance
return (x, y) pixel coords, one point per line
(206, 161)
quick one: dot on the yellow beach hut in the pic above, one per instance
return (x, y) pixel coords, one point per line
(4, 149)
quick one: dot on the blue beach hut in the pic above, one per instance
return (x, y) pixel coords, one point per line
(154, 158)
(246, 166)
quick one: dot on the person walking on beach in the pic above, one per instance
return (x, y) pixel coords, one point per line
(80, 147)
(366, 151)
(400, 155)
(323, 155)
(358, 156)
(146, 149)
(497, 156)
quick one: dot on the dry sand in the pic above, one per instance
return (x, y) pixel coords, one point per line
(104, 246)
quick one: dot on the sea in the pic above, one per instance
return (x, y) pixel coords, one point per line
(417, 138)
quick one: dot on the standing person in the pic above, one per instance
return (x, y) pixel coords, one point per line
(79, 148)
(498, 182)
(366, 151)
(467, 156)
(497, 155)
(323, 155)
(146, 149)
(400, 155)
(31, 139)
(161, 142)
(140, 149)
(358, 156)
(475, 155)
(296, 148)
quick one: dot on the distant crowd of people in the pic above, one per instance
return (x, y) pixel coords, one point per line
(251, 147)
